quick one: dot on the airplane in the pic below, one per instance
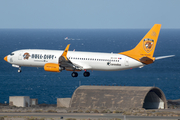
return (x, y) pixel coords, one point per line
(59, 60)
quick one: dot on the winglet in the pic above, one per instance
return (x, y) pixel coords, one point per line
(65, 51)
(145, 48)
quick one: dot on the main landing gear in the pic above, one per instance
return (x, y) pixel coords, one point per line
(86, 74)
(75, 74)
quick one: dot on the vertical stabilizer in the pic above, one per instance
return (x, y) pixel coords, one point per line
(144, 51)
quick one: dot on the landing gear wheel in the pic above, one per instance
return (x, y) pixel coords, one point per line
(74, 74)
(86, 74)
(19, 71)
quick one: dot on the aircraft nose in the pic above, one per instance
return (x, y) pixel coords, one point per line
(5, 58)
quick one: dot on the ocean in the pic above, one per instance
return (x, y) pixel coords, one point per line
(48, 86)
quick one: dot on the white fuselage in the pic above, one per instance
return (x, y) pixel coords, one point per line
(87, 60)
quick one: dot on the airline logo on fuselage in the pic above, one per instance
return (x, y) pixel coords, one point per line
(26, 56)
(148, 44)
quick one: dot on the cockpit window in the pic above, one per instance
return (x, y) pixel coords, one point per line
(12, 54)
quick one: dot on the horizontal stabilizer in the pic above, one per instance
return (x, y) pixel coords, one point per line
(162, 57)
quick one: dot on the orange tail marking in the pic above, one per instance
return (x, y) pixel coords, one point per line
(146, 46)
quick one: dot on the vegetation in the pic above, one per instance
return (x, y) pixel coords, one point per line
(95, 111)
(52, 111)
(87, 111)
(1, 118)
(104, 111)
(70, 119)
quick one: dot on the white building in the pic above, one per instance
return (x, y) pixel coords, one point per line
(19, 101)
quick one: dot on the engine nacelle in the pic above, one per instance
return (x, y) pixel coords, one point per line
(52, 67)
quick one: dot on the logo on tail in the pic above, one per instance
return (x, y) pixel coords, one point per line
(148, 44)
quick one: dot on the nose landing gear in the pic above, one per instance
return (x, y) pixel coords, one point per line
(19, 71)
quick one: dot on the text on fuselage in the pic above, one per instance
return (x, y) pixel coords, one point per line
(40, 56)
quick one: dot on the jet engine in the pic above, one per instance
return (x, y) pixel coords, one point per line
(52, 67)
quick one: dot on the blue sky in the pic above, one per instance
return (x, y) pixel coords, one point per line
(89, 14)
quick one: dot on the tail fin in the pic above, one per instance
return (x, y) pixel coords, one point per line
(144, 51)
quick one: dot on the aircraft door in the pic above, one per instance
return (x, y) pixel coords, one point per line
(20, 56)
(127, 61)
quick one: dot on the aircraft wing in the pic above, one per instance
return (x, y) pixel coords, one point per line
(66, 63)
(162, 57)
